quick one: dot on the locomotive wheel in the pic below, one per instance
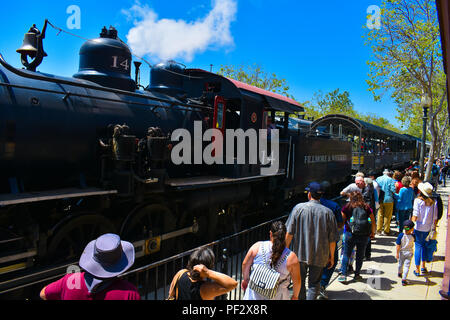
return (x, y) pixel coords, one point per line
(151, 221)
(70, 240)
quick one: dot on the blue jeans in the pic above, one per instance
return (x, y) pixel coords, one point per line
(352, 240)
(420, 249)
(327, 273)
(314, 275)
(402, 216)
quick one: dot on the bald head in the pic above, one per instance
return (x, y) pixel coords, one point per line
(359, 181)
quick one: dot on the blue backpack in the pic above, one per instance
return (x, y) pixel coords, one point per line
(435, 170)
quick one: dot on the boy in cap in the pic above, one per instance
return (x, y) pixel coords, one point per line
(405, 250)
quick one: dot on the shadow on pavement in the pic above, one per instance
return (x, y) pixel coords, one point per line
(438, 258)
(384, 259)
(348, 294)
(380, 283)
(380, 250)
(384, 241)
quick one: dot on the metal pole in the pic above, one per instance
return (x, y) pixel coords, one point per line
(424, 135)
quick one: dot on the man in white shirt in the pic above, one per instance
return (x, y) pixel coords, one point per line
(358, 186)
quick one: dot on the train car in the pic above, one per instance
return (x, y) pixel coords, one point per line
(373, 147)
(94, 153)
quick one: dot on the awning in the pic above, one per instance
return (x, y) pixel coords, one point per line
(275, 100)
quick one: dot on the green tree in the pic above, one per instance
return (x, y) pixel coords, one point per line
(406, 62)
(334, 102)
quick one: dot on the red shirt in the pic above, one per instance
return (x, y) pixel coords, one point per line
(398, 186)
(73, 287)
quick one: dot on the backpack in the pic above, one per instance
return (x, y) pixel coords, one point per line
(360, 223)
(437, 197)
(381, 197)
(435, 170)
(368, 196)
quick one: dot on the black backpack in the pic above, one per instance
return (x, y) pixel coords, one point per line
(381, 197)
(359, 222)
(437, 197)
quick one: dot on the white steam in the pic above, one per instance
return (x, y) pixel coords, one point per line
(178, 39)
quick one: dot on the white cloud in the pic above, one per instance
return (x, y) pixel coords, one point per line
(179, 39)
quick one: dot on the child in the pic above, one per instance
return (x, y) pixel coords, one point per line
(405, 250)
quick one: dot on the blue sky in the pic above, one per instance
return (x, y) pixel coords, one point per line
(314, 45)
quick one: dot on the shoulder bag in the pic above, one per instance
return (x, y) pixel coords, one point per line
(173, 296)
(264, 279)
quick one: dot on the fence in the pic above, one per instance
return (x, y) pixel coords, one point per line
(153, 281)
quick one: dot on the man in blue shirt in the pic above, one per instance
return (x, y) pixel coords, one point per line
(387, 185)
(337, 211)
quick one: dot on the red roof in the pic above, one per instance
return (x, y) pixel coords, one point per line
(245, 86)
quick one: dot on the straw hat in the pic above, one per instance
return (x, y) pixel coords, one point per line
(426, 189)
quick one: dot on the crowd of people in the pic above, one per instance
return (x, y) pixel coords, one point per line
(302, 250)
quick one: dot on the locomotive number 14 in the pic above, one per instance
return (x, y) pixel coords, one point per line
(124, 64)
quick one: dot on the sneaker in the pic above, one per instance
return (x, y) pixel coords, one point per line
(400, 275)
(404, 282)
(423, 270)
(342, 278)
(357, 277)
(322, 293)
(417, 274)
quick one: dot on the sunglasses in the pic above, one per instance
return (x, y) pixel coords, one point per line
(407, 228)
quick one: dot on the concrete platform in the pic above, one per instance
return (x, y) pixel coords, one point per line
(380, 280)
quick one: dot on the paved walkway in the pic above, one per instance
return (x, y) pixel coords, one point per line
(380, 281)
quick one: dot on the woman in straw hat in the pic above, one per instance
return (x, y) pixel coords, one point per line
(425, 216)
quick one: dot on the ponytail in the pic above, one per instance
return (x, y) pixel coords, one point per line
(278, 230)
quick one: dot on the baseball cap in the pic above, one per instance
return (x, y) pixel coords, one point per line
(314, 187)
(408, 224)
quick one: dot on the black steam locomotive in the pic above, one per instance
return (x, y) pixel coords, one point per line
(93, 154)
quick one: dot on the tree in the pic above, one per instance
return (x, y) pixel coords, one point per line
(255, 75)
(335, 102)
(407, 63)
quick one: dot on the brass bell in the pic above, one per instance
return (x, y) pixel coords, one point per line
(30, 43)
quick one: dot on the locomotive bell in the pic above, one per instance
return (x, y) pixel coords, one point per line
(30, 46)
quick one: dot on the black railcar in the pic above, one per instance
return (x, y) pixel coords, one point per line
(92, 154)
(373, 148)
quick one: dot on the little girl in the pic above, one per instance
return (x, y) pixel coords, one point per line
(405, 250)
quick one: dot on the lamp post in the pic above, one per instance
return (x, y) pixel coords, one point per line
(424, 102)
